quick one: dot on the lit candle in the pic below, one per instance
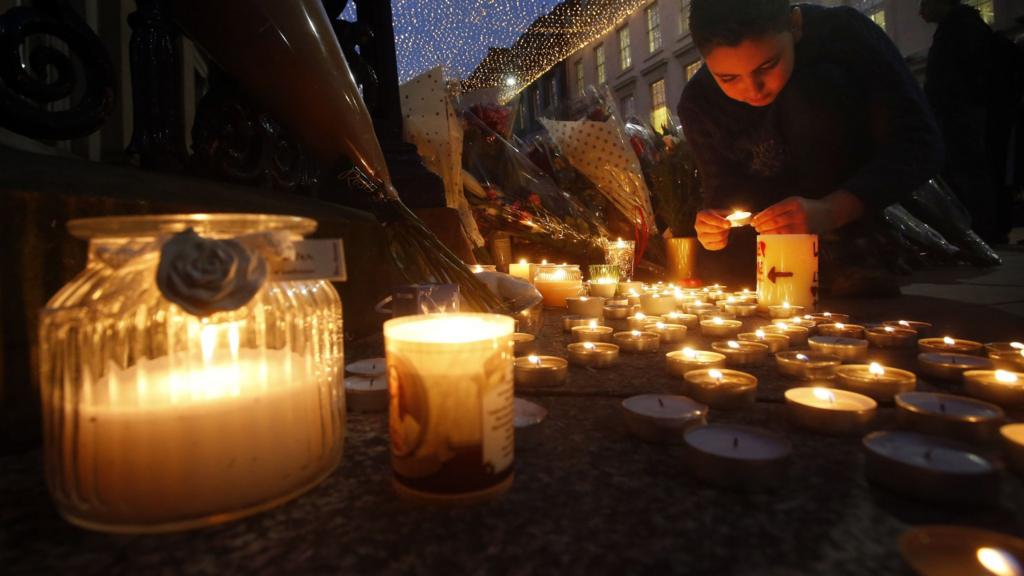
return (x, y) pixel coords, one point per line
(774, 342)
(721, 389)
(591, 307)
(633, 298)
(829, 318)
(807, 365)
(698, 307)
(528, 419)
(628, 288)
(787, 270)
(1006, 355)
(875, 380)
(737, 456)
(366, 393)
(948, 345)
(669, 333)
(929, 468)
(830, 411)
(922, 328)
(639, 320)
(950, 366)
(592, 333)
(1013, 446)
(956, 417)
(848, 350)
(478, 268)
(451, 384)
(523, 343)
(741, 353)
(688, 320)
(541, 371)
(718, 328)
(620, 253)
(739, 218)
(842, 330)
(662, 418)
(617, 311)
(891, 337)
(570, 322)
(741, 309)
(797, 334)
(785, 310)
(1000, 387)
(593, 354)
(636, 341)
(604, 287)
(520, 270)
(656, 304)
(679, 362)
(556, 283)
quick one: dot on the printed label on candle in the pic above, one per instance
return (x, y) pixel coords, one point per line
(314, 260)
(499, 417)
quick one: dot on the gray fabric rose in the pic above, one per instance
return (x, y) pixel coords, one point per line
(207, 276)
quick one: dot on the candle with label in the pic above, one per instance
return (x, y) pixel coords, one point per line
(662, 418)
(787, 270)
(593, 354)
(541, 371)
(807, 365)
(948, 345)
(721, 389)
(830, 411)
(849, 350)
(741, 353)
(891, 337)
(737, 456)
(875, 380)
(636, 341)
(679, 362)
(774, 342)
(951, 366)
(1000, 387)
(957, 417)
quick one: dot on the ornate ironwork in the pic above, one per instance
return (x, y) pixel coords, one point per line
(34, 74)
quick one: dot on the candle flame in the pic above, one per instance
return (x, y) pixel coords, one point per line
(746, 290)
(523, 261)
(760, 334)
(717, 375)
(827, 314)
(589, 345)
(786, 304)
(904, 323)
(593, 324)
(824, 394)
(640, 316)
(477, 269)
(802, 357)
(876, 369)
(1006, 377)
(730, 300)
(659, 325)
(544, 262)
(635, 333)
(734, 344)
(689, 353)
(633, 292)
(948, 341)
(208, 342)
(1017, 346)
(678, 294)
(559, 274)
(718, 320)
(583, 298)
(840, 325)
(999, 562)
(890, 329)
(782, 325)
(533, 360)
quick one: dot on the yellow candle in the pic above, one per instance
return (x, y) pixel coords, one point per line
(787, 270)
(520, 269)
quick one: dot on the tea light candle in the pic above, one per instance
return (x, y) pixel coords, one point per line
(950, 366)
(947, 345)
(591, 307)
(520, 270)
(846, 349)
(956, 417)
(737, 456)
(593, 354)
(366, 393)
(556, 284)
(739, 218)
(592, 333)
(891, 337)
(528, 417)
(523, 343)
(689, 320)
(774, 342)
(829, 318)
(617, 311)
(841, 330)
(1013, 446)
(807, 365)
(721, 389)
(784, 310)
(669, 333)
(797, 334)
(627, 288)
(698, 307)
(656, 304)
(368, 367)
(928, 468)
(1000, 387)
(830, 411)
(1006, 355)
(570, 322)
(922, 328)
(541, 371)
(679, 362)
(718, 328)
(636, 341)
(639, 320)
(875, 380)
(603, 287)
(739, 308)
(741, 353)
(957, 551)
(662, 418)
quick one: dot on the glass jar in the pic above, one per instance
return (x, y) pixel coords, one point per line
(621, 253)
(556, 282)
(156, 419)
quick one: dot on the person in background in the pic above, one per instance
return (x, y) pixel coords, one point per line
(808, 117)
(974, 82)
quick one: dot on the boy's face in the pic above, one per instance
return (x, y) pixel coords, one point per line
(756, 70)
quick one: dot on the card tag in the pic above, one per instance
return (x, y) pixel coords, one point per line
(314, 260)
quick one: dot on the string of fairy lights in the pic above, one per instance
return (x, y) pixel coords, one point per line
(432, 32)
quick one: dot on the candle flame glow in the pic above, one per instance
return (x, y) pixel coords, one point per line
(876, 369)
(620, 244)
(635, 333)
(824, 394)
(533, 360)
(827, 314)
(718, 320)
(948, 341)
(584, 298)
(640, 316)
(589, 346)
(208, 342)
(592, 324)
(734, 344)
(715, 374)
(730, 300)
(786, 304)
(1006, 377)
(689, 353)
(544, 262)
(802, 357)
(477, 269)
(523, 261)
(1017, 346)
(998, 562)
(559, 274)
(840, 325)
(904, 323)
(659, 325)
(782, 325)
(633, 292)
(890, 329)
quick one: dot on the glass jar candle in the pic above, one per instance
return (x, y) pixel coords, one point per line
(621, 253)
(178, 389)
(556, 282)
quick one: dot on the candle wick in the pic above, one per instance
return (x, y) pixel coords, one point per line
(942, 407)
(928, 454)
(372, 380)
(735, 442)
(660, 403)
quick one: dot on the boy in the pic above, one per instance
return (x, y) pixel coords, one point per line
(806, 116)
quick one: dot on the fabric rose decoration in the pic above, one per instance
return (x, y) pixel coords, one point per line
(206, 276)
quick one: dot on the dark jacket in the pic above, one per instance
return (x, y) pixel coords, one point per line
(851, 117)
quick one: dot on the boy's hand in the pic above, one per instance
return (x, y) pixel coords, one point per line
(712, 230)
(794, 215)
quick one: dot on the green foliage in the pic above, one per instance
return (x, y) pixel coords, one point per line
(676, 187)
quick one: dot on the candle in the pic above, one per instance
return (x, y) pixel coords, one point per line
(774, 342)
(718, 328)
(1000, 387)
(846, 349)
(737, 456)
(520, 270)
(636, 341)
(679, 362)
(950, 366)
(627, 288)
(558, 282)
(1006, 355)
(797, 334)
(741, 353)
(739, 218)
(1013, 446)
(617, 311)
(368, 367)
(528, 419)
(922, 328)
(785, 310)
(698, 307)
(689, 320)
(891, 337)
(713, 313)
(639, 320)
(656, 304)
(947, 345)
(451, 417)
(957, 417)
(592, 333)
(570, 322)
(366, 393)
(830, 411)
(523, 343)
(929, 468)
(669, 333)
(721, 389)
(591, 307)
(875, 380)
(841, 330)
(620, 253)
(662, 418)
(807, 365)
(541, 371)
(593, 354)
(802, 321)
(604, 287)
(787, 270)
(738, 308)
(958, 551)
(478, 268)
(829, 318)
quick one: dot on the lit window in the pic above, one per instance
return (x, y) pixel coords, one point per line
(628, 107)
(684, 17)
(599, 61)
(579, 78)
(987, 9)
(659, 108)
(878, 17)
(692, 70)
(653, 28)
(624, 56)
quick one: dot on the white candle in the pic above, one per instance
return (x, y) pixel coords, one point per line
(737, 456)
(830, 411)
(787, 270)
(662, 418)
(957, 417)
(679, 362)
(846, 349)
(520, 270)
(1000, 387)
(366, 393)
(739, 218)
(875, 380)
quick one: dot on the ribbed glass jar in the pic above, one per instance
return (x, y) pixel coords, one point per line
(155, 419)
